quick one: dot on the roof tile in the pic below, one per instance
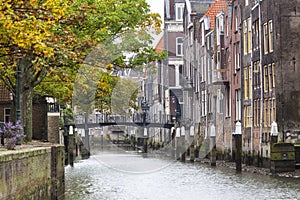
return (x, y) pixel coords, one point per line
(217, 7)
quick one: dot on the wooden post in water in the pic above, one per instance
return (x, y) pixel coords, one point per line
(238, 145)
(213, 150)
(212, 145)
(238, 159)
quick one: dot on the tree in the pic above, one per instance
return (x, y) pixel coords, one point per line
(49, 37)
(26, 35)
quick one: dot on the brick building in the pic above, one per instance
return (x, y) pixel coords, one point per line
(45, 116)
(241, 63)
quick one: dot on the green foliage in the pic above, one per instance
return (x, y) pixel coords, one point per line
(59, 37)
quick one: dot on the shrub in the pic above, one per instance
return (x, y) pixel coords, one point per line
(11, 134)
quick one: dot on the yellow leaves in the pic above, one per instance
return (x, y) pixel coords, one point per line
(29, 33)
(29, 24)
(109, 67)
(58, 8)
(41, 48)
(34, 3)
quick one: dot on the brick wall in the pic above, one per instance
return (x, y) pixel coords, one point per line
(53, 127)
(39, 120)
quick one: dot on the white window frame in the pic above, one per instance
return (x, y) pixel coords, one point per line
(203, 103)
(249, 35)
(238, 105)
(270, 29)
(202, 34)
(266, 38)
(179, 15)
(179, 44)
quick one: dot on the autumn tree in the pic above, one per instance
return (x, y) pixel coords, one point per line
(49, 40)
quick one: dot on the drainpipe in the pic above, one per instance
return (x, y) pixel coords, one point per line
(251, 132)
(261, 77)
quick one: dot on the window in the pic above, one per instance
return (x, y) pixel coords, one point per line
(236, 56)
(273, 75)
(236, 18)
(273, 110)
(247, 116)
(7, 113)
(202, 34)
(270, 77)
(181, 74)
(270, 106)
(219, 28)
(259, 112)
(202, 69)
(245, 40)
(255, 33)
(266, 82)
(172, 75)
(249, 42)
(207, 43)
(228, 103)
(246, 83)
(255, 113)
(203, 103)
(270, 36)
(227, 26)
(250, 81)
(266, 113)
(179, 46)
(179, 11)
(266, 38)
(256, 74)
(238, 104)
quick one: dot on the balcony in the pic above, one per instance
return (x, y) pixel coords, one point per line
(221, 76)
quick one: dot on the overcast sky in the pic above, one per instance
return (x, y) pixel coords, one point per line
(157, 6)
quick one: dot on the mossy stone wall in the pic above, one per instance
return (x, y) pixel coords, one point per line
(33, 173)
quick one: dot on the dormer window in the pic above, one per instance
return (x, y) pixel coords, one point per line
(179, 7)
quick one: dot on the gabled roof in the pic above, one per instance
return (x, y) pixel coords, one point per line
(160, 45)
(4, 93)
(217, 7)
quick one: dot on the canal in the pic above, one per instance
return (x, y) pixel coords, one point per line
(127, 175)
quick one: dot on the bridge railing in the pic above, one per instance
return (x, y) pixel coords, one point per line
(135, 118)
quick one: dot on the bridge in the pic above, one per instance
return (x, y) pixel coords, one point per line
(137, 124)
(138, 121)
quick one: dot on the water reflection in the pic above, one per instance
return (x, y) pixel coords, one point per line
(100, 177)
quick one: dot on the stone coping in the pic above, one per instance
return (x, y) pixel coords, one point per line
(31, 149)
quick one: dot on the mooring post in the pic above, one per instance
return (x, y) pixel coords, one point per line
(238, 143)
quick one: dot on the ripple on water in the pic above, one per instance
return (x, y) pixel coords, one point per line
(91, 179)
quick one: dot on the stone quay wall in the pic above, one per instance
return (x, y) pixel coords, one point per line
(32, 173)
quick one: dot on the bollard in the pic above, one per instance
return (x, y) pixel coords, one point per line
(213, 151)
(192, 152)
(238, 157)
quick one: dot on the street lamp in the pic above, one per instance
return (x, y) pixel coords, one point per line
(238, 145)
(18, 93)
(145, 107)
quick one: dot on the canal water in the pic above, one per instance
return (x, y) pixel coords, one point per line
(127, 175)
